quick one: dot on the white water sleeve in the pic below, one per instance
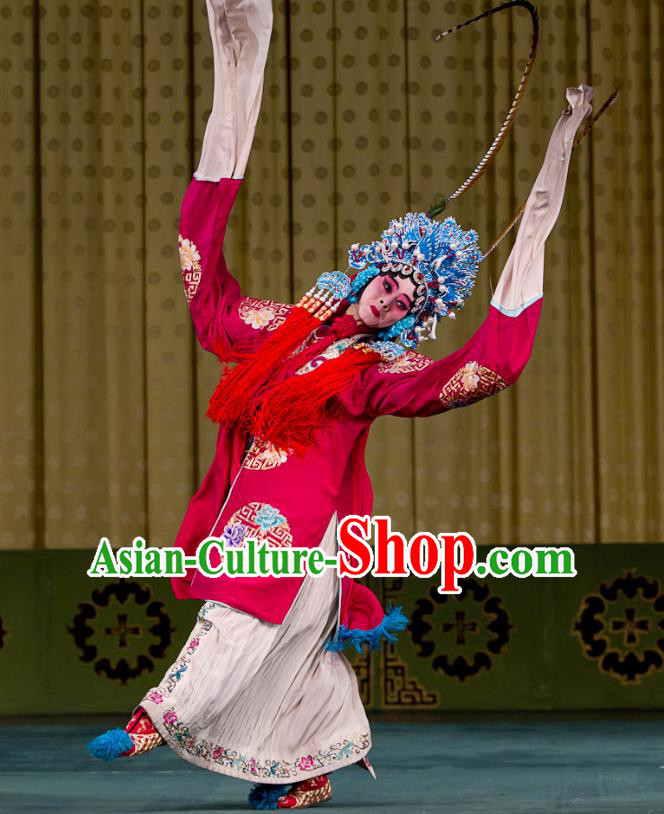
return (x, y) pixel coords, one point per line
(240, 32)
(521, 281)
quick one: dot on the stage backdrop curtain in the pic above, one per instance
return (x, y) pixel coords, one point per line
(364, 117)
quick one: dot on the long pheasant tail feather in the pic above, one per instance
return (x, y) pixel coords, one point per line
(497, 143)
(523, 3)
(111, 745)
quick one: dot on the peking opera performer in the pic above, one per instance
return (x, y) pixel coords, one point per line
(261, 690)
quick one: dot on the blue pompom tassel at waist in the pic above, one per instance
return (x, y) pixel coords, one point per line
(393, 620)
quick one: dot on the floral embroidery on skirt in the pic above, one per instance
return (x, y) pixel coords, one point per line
(263, 701)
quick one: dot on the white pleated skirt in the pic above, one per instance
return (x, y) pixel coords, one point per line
(261, 701)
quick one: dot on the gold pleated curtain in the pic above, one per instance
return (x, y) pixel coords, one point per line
(363, 117)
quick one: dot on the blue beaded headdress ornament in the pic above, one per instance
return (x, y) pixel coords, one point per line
(441, 259)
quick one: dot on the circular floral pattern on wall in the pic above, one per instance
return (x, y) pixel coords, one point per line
(462, 634)
(121, 631)
(621, 627)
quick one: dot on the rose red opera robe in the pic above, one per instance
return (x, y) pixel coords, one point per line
(288, 500)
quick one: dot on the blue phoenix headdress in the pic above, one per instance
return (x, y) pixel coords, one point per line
(441, 259)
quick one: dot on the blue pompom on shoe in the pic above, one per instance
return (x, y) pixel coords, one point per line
(110, 745)
(264, 796)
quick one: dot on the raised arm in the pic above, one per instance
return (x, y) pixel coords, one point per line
(240, 32)
(494, 356)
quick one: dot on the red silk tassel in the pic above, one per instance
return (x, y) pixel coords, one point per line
(264, 397)
(239, 386)
(291, 411)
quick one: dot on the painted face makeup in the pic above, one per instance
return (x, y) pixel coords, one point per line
(384, 301)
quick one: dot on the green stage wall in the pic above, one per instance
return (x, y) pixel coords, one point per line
(72, 644)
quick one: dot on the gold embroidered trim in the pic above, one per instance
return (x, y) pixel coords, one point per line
(264, 455)
(408, 363)
(305, 798)
(471, 383)
(260, 314)
(190, 266)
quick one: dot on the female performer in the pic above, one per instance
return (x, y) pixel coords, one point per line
(261, 690)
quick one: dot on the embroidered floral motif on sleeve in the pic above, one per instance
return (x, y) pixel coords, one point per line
(471, 383)
(408, 363)
(263, 313)
(190, 266)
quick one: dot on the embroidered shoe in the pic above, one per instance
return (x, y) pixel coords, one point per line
(307, 793)
(137, 737)
(144, 736)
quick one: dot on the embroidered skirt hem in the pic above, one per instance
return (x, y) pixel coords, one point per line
(265, 702)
